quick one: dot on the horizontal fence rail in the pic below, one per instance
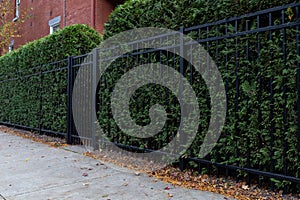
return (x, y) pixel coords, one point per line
(258, 57)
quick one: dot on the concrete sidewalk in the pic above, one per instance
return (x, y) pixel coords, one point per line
(31, 170)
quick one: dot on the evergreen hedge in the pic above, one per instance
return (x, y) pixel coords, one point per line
(174, 14)
(259, 122)
(27, 83)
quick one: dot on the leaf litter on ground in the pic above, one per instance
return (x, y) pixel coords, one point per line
(187, 178)
(42, 138)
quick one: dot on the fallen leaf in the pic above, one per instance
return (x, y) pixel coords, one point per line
(97, 164)
(245, 187)
(167, 188)
(85, 174)
(137, 173)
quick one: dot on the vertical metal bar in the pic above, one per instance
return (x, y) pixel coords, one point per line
(102, 143)
(181, 69)
(70, 82)
(167, 99)
(190, 64)
(83, 93)
(285, 99)
(88, 93)
(298, 93)
(104, 97)
(226, 89)
(272, 128)
(200, 165)
(145, 56)
(248, 109)
(237, 132)
(217, 64)
(208, 166)
(41, 101)
(161, 76)
(138, 61)
(147, 61)
(181, 61)
(259, 96)
(174, 64)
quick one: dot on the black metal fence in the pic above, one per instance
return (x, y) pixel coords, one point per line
(259, 56)
(244, 39)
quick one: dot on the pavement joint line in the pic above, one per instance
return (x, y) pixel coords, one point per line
(2, 197)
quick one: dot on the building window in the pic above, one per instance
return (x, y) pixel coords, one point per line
(54, 24)
(54, 28)
(11, 45)
(17, 10)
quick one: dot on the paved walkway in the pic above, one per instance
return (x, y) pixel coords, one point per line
(31, 170)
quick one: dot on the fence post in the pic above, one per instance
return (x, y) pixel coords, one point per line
(182, 161)
(70, 82)
(41, 101)
(95, 137)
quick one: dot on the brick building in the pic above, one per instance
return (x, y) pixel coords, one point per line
(46, 16)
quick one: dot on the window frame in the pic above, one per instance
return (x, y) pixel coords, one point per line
(54, 24)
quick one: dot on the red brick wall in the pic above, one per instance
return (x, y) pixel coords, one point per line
(102, 10)
(36, 26)
(76, 12)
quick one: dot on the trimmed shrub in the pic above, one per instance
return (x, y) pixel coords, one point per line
(174, 14)
(72, 40)
(259, 70)
(27, 83)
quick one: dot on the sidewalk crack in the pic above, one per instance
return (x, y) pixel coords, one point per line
(2, 197)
